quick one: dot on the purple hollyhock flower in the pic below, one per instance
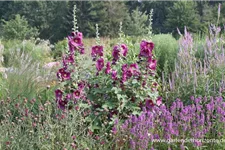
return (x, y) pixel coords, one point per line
(97, 51)
(114, 75)
(124, 67)
(135, 65)
(147, 45)
(65, 75)
(146, 48)
(82, 51)
(68, 97)
(77, 94)
(74, 43)
(62, 104)
(58, 94)
(152, 64)
(124, 77)
(80, 35)
(81, 85)
(77, 41)
(124, 50)
(116, 52)
(69, 59)
(60, 71)
(108, 68)
(100, 64)
(149, 103)
(77, 34)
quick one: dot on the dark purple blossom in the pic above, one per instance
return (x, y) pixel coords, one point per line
(108, 68)
(114, 74)
(100, 64)
(124, 50)
(97, 51)
(77, 94)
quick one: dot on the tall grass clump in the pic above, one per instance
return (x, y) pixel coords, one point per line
(25, 76)
(39, 50)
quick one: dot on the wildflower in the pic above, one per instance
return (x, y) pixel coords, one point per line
(100, 64)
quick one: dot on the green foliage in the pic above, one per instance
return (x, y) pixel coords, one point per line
(166, 48)
(18, 28)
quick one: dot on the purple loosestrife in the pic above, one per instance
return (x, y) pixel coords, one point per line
(193, 121)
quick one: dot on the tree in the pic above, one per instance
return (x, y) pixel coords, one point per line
(18, 28)
(116, 12)
(183, 14)
(137, 23)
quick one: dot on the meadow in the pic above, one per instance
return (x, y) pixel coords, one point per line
(122, 93)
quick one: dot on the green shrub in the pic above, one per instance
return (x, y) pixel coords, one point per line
(25, 76)
(18, 28)
(166, 48)
(59, 48)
